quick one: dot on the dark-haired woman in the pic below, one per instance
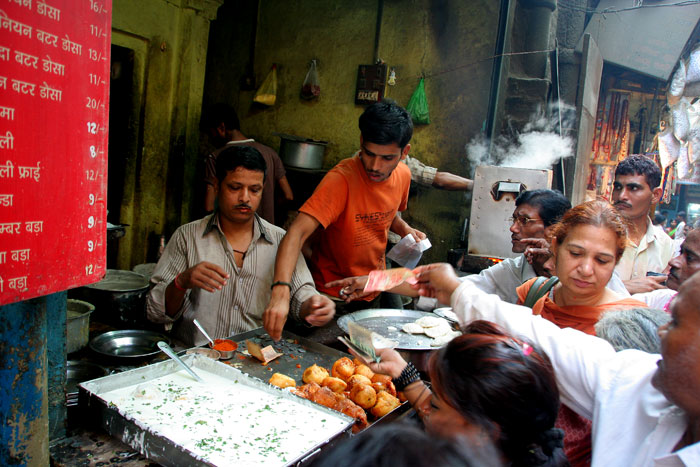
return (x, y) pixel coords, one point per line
(487, 384)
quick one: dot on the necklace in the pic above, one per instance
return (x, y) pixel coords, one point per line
(240, 252)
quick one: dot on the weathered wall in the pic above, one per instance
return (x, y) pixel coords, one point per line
(169, 40)
(448, 42)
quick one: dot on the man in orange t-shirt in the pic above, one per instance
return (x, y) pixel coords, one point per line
(356, 204)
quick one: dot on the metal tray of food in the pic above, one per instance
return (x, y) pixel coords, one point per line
(251, 422)
(298, 353)
(388, 323)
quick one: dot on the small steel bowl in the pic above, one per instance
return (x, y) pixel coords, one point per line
(225, 354)
(211, 353)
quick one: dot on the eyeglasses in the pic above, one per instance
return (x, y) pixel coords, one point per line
(522, 221)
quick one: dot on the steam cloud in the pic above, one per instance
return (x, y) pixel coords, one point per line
(538, 146)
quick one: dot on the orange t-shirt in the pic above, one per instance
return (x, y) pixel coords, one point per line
(356, 214)
(582, 318)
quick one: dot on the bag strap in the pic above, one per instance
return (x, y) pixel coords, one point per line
(539, 289)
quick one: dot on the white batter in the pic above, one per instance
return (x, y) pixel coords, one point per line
(224, 422)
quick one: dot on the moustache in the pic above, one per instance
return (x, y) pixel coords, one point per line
(623, 203)
(238, 206)
(673, 272)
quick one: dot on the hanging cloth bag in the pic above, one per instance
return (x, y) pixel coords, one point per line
(311, 88)
(418, 105)
(267, 93)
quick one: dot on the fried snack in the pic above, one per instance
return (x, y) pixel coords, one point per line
(385, 404)
(315, 374)
(401, 396)
(364, 371)
(307, 390)
(363, 395)
(357, 362)
(380, 378)
(358, 379)
(343, 368)
(334, 384)
(325, 397)
(353, 410)
(282, 381)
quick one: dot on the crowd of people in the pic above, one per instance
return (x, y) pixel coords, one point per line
(558, 363)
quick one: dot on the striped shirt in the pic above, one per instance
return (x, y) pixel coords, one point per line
(239, 305)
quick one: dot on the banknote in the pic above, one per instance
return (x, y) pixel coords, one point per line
(386, 279)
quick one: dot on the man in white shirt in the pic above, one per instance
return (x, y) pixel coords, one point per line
(645, 410)
(536, 211)
(635, 189)
(681, 268)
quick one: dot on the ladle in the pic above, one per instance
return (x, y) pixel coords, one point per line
(199, 326)
(169, 352)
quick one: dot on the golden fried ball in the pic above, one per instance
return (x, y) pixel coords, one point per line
(334, 384)
(363, 395)
(364, 371)
(380, 378)
(385, 404)
(282, 381)
(358, 379)
(315, 374)
(343, 368)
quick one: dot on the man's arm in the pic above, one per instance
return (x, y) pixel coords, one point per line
(207, 276)
(288, 251)
(286, 188)
(209, 198)
(401, 228)
(451, 182)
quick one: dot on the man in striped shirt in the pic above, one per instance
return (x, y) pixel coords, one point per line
(219, 269)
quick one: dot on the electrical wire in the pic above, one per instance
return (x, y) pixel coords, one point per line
(485, 59)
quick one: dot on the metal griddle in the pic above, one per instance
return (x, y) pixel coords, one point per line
(296, 350)
(388, 323)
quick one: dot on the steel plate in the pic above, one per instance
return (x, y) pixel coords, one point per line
(380, 320)
(128, 344)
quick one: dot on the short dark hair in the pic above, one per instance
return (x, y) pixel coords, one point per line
(659, 219)
(551, 204)
(239, 156)
(404, 444)
(640, 165)
(221, 113)
(682, 215)
(386, 122)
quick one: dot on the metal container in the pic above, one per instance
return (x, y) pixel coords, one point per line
(119, 298)
(303, 153)
(159, 448)
(77, 324)
(132, 345)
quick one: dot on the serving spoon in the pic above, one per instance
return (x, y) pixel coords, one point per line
(199, 326)
(169, 352)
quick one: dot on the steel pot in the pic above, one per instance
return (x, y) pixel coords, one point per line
(77, 324)
(300, 152)
(119, 298)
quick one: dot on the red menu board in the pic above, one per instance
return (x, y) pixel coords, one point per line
(54, 107)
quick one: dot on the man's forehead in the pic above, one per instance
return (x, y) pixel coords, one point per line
(631, 179)
(692, 241)
(526, 208)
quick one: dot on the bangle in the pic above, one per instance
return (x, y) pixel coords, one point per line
(177, 286)
(276, 283)
(408, 375)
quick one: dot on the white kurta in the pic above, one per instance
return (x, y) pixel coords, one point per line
(633, 423)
